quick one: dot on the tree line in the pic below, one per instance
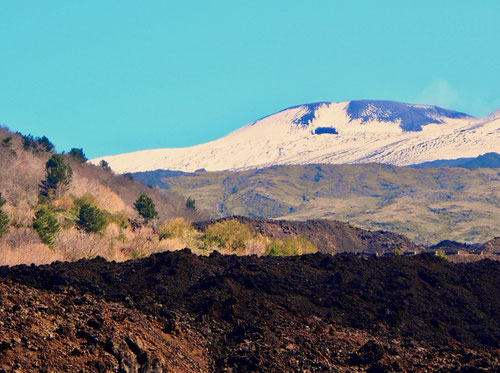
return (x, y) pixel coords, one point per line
(58, 178)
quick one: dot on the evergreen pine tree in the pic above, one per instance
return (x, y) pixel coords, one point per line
(37, 144)
(191, 203)
(78, 154)
(146, 207)
(46, 225)
(45, 143)
(58, 176)
(104, 164)
(90, 219)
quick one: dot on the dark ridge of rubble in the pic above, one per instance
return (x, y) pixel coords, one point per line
(227, 313)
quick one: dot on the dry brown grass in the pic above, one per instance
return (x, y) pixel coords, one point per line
(119, 192)
(22, 171)
(23, 246)
(20, 175)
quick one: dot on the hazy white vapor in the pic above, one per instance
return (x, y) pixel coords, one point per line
(439, 92)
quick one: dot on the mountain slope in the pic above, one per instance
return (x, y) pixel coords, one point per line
(426, 205)
(488, 160)
(348, 132)
(22, 168)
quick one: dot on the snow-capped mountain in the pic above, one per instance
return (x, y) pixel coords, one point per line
(328, 132)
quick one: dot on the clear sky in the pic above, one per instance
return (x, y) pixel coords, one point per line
(119, 76)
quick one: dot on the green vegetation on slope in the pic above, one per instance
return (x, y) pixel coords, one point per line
(4, 219)
(58, 207)
(232, 236)
(427, 205)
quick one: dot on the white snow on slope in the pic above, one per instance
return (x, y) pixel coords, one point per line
(366, 131)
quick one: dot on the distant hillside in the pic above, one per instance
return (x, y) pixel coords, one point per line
(488, 160)
(22, 169)
(155, 178)
(426, 205)
(125, 235)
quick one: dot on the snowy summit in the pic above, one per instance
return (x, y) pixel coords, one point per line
(328, 132)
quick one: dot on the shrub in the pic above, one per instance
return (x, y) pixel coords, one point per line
(64, 203)
(296, 245)
(45, 144)
(91, 219)
(120, 218)
(86, 199)
(440, 254)
(176, 228)
(145, 207)
(58, 176)
(396, 251)
(190, 203)
(228, 234)
(104, 164)
(7, 141)
(78, 155)
(46, 225)
(75, 205)
(4, 219)
(29, 142)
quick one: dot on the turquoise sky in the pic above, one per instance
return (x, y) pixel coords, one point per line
(119, 76)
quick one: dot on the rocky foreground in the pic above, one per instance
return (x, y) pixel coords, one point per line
(184, 313)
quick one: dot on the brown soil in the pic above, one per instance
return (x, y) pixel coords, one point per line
(180, 312)
(492, 245)
(61, 332)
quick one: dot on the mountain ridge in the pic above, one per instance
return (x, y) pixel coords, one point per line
(487, 160)
(360, 131)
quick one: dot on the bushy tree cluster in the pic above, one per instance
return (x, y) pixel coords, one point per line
(4, 219)
(228, 234)
(91, 219)
(58, 176)
(37, 144)
(191, 203)
(146, 207)
(46, 225)
(296, 245)
(78, 155)
(176, 228)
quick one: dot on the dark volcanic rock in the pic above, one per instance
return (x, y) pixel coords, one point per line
(313, 312)
(369, 353)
